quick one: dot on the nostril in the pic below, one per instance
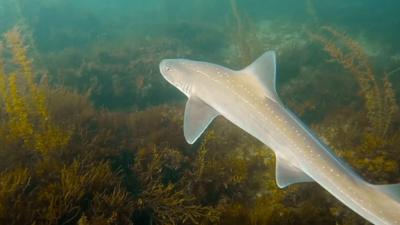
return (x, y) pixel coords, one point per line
(167, 68)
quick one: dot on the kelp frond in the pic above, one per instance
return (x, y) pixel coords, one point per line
(379, 99)
(14, 187)
(81, 183)
(243, 46)
(169, 203)
(27, 118)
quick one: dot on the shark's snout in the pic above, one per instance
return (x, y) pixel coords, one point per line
(169, 71)
(176, 73)
(165, 67)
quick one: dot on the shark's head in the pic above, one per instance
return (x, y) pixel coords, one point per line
(179, 73)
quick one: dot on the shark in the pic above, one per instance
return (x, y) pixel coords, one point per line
(248, 98)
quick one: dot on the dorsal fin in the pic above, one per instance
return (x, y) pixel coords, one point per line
(287, 174)
(264, 70)
(198, 115)
(393, 190)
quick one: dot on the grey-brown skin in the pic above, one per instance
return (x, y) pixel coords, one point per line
(248, 99)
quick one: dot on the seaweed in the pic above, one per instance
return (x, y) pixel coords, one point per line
(371, 146)
(246, 45)
(123, 77)
(62, 158)
(26, 117)
(243, 46)
(379, 99)
(67, 160)
(168, 203)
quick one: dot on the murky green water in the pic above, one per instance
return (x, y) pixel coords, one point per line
(338, 66)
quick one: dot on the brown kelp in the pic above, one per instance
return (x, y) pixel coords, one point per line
(170, 203)
(240, 33)
(379, 99)
(246, 44)
(370, 148)
(112, 76)
(40, 188)
(108, 167)
(26, 120)
(73, 174)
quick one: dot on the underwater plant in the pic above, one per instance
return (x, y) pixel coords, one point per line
(228, 178)
(118, 77)
(372, 147)
(26, 118)
(244, 38)
(310, 9)
(379, 99)
(243, 46)
(54, 173)
(168, 202)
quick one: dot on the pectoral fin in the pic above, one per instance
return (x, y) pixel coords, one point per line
(198, 115)
(287, 174)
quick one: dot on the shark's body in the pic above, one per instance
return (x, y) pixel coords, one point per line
(248, 99)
